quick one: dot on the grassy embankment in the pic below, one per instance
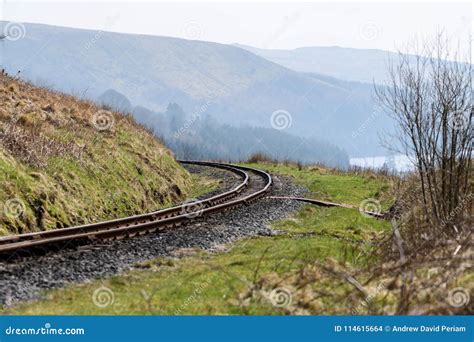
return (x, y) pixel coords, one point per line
(65, 162)
(239, 280)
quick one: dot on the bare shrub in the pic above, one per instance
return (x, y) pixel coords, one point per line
(259, 157)
(430, 99)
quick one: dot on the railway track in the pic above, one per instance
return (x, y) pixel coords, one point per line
(254, 184)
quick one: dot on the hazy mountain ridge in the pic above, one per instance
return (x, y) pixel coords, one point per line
(199, 136)
(242, 87)
(358, 65)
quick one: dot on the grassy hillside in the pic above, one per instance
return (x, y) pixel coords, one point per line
(66, 162)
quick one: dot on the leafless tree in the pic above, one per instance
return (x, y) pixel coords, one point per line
(430, 97)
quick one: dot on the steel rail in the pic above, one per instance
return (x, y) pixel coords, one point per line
(321, 203)
(141, 224)
(135, 219)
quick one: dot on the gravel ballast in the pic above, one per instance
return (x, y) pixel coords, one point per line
(23, 279)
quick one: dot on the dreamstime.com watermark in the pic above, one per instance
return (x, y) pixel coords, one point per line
(369, 30)
(192, 208)
(361, 129)
(14, 208)
(459, 120)
(13, 31)
(459, 297)
(46, 330)
(193, 296)
(103, 120)
(110, 21)
(370, 205)
(288, 21)
(465, 201)
(381, 286)
(280, 297)
(193, 30)
(192, 119)
(103, 297)
(281, 119)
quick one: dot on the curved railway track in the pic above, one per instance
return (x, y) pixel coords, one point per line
(255, 183)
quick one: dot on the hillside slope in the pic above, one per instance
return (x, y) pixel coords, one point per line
(66, 162)
(235, 85)
(201, 137)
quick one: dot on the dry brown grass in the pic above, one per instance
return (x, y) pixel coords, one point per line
(260, 157)
(418, 287)
(30, 114)
(94, 164)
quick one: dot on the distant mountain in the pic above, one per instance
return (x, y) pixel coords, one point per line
(235, 85)
(115, 101)
(360, 65)
(199, 136)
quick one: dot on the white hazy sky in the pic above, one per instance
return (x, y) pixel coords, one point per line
(273, 25)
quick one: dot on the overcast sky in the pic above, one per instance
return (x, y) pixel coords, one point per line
(265, 25)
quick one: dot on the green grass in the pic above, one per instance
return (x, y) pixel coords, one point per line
(335, 186)
(207, 283)
(69, 192)
(202, 184)
(347, 223)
